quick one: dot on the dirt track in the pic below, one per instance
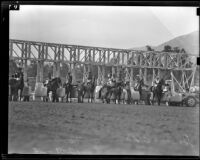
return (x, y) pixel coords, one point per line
(37, 127)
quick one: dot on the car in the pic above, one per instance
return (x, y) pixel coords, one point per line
(185, 98)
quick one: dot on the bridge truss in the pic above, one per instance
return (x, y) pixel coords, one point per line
(74, 55)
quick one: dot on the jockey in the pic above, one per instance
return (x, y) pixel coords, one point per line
(46, 82)
(113, 78)
(141, 80)
(15, 75)
(156, 81)
(109, 80)
(89, 78)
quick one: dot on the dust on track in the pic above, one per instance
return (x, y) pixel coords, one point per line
(73, 128)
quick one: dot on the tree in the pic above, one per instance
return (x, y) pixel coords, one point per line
(149, 48)
(32, 69)
(64, 70)
(167, 48)
(183, 50)
(176, 49)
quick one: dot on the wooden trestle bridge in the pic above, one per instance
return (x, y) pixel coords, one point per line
(74, 55)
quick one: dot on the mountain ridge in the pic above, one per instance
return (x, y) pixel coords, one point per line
(189, 41)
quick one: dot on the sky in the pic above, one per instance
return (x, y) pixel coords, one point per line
(102, 26)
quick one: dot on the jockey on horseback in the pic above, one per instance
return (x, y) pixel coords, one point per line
(155, 82)
(89, 78)
(140, 83)
(109, 80)
(46, 82)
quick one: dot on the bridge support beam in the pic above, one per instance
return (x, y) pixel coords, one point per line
(56, 69)
(154, 75)
(127, 78)
(118, 72)
(25, 71)
(103, 73)
(145, 75)
(99, 79)
(131, 77)
(140, 72)
(113, 70)
(73, 71)
(40, 66)
(159, 73)
(84, 73)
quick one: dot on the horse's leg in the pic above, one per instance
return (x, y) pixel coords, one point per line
(88, 93)
(14, 95)
(70, 96)
(54, 96)
(82, 97)
(67, 94)
(70, 93)
(153, 98)
(159, 99)
(11, 94)
(20, 95)
(90, 97)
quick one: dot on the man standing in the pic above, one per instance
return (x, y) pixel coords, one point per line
(69, 78)
(12, 83)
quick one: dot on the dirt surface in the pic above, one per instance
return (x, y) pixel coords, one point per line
(61, 128)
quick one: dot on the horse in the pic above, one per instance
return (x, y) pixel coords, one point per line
(52, 86)
(88, 88)
(68, 91)
(115, 89)
(158, 91)
(103, 94)
(13, 89)
(127, 99)
(17, 84)
(144, 92)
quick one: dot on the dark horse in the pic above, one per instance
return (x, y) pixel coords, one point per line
(53, 85)
(68, 91)
(145, 94)
(158, 91)
(16, 85)
(107, 91)
(88, 88)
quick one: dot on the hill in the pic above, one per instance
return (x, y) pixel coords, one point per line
(190, 42)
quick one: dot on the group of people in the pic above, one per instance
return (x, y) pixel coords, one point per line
(112, 80)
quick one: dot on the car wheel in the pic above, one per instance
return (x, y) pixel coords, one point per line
(191, 101)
